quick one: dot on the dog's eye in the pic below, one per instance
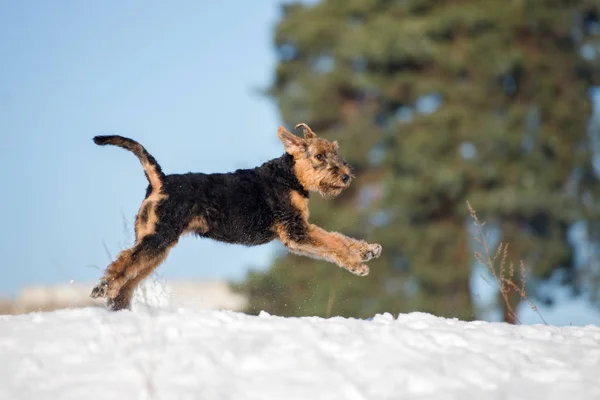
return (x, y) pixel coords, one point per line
(319, 157)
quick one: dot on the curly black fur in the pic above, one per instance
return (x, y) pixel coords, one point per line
(240, 207)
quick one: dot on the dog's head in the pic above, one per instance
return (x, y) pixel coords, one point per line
(317, 164)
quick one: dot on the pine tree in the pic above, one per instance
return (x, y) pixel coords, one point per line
(433, 103)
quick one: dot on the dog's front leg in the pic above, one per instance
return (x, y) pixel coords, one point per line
(346, 252)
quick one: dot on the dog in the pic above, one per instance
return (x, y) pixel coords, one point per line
(248, 206)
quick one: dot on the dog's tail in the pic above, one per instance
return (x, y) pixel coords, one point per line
(152, 170)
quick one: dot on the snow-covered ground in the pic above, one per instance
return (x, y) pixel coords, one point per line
(91, 353)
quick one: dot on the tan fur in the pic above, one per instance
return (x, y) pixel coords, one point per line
(323, 176)
(198, 225)
(334, 247)
(138, 150)
(126, 273)
(153, 178)
(125, 294)
(308, 133)
(116, 269)
(300, 203)
(155, 181)
(318, 180)
(143, 229)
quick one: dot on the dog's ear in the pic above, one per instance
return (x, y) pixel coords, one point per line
(308, 133)
(292, 143)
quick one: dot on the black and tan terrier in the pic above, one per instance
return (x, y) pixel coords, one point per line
(248, 206)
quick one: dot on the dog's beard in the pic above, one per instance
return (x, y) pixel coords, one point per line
(330, 191)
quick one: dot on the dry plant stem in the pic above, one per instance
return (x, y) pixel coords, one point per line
(330, 303)
(503, 278)
(332, 293)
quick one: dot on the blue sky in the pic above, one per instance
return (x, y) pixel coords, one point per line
(182, 78)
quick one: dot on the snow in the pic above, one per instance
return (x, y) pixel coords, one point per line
(91, 353)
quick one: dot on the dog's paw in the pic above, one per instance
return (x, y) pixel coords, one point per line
(373, 251)
(359, 269)
(99, 290)
(118, 304)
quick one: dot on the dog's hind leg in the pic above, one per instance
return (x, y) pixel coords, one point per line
(125, 295)
(131, 267)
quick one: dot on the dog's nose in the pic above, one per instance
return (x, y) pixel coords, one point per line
(345, 178)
